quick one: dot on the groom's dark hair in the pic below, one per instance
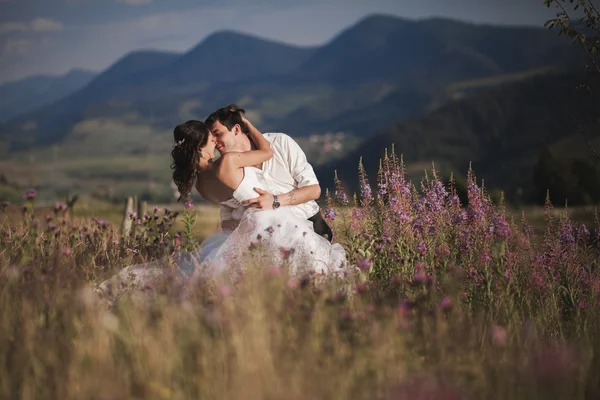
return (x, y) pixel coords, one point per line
(229, 116)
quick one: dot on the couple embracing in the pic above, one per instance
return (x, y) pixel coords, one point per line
(266, 190)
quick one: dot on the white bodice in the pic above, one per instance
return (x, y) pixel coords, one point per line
(244, 191)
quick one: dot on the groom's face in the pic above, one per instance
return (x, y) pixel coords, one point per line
(225, 139)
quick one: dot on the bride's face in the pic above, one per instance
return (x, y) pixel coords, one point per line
(207, 153)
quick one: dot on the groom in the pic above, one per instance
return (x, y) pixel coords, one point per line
(288, 175)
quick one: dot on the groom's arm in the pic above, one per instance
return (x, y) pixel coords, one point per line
(295, 197)
(307, 184)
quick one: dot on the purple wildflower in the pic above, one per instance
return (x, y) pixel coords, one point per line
(417, 225)
(420, 276)
(554, 362)
(58, 207)
(330, 214)
(402, 216)
(527, 229)
(478, 204)
(292, 283)
(357, 217)
(459, 218)
(366, 194)
(567, 234)
(435, 196)
(30, 195)
(583, 234)
(340, 194)
(500, 227)
(286, 253)
(446, 303)
(442, 251)
(382, 190)
(422, 248)
(453, 200)
(363, 264)
(101, 223)
(499, 335)
(485, 258)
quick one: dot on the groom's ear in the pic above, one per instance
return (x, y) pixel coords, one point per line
(238, 130)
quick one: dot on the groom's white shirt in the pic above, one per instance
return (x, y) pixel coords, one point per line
(287, 170)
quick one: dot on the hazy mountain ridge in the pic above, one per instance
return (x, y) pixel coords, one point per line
(301, 90)
(26, 95)
(500, 132)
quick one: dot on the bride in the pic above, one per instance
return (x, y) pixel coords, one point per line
(269, 237)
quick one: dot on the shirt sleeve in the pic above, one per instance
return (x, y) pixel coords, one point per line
(299, 168)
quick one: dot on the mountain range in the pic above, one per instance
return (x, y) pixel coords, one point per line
(439, 89)
(501, 133)
(26, 95)
(381, 61)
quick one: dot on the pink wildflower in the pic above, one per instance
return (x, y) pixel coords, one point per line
(364, 264)
(292, 283)
(225, 290)
(499, 335)
(422, 248)
(30, 195)
(446, 303)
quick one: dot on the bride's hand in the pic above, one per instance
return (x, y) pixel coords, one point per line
(245, 120)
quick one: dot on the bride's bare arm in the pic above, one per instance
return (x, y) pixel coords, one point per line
(235, 160)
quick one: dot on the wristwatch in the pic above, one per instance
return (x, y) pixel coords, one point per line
(276, 203)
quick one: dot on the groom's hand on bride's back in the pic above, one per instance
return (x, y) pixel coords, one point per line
(264, 201)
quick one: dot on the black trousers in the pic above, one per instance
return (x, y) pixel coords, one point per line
(321, 226)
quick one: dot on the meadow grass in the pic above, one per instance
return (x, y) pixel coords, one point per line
(449, 301)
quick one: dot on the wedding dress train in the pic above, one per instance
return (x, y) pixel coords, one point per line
(268, 237)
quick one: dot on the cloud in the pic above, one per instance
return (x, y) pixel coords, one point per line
(46, 25)
(135, 2)
(10, 27)
(151, 22)
(36, 25)
(16, 46)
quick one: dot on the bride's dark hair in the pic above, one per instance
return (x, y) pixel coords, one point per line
(189, 137)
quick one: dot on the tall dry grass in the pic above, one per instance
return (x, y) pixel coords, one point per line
(451, 301)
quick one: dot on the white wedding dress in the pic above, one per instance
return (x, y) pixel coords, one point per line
(270, 238)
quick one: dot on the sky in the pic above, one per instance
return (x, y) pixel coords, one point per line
(55, 36)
